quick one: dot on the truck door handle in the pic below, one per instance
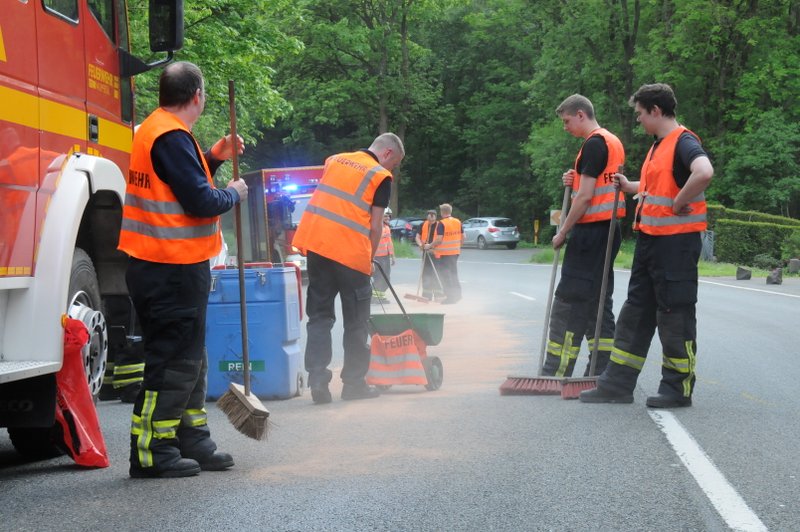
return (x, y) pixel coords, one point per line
(94, 129)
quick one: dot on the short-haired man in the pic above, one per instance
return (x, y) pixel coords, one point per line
(577, 298)
(170, 229)
(662, 293)
(340, 232)
(430, 235)
(448, 250)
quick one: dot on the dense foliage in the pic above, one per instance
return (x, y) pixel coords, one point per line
(471, 86)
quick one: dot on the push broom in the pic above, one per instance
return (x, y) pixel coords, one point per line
(244, 410)
(573, 386)
(417, 297)
(541, 385)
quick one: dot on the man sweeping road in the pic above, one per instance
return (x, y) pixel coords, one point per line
(340, 232)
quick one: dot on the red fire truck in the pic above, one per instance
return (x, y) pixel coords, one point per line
(276, 201)
(66, 116)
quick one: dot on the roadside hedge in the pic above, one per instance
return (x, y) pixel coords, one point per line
(718, 212)
(739, 242)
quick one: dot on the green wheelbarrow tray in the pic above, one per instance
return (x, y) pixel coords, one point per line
(428, 326)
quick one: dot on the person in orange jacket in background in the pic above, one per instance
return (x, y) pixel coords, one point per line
(340, 231)
(447, 250)
(385, 257)
(430, 235)
(662, 292)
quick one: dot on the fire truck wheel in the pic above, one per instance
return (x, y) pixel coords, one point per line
(34, 443)
(85, 305)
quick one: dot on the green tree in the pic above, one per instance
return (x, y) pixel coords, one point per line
(228, 39)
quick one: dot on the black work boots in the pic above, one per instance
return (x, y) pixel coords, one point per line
(668, 401)
(184, 467)
(361, 390)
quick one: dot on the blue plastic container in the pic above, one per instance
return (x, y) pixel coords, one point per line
(273, 329)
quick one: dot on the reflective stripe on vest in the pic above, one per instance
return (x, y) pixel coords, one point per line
(385, 246)
(602, 201)
(155, 227)
(451, 243)
(658, 189)
(336, 223)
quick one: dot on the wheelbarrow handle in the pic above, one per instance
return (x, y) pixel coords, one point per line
(380, 269)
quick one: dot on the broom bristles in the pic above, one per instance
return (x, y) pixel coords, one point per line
(245, 412)
(531, 386)
(573, 386)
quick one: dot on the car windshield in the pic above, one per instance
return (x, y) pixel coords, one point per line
(503, 222)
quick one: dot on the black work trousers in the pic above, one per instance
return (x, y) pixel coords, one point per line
(169, 418)
(447, 266)
(432, 287)
(575, 305)
(326, 279)
(378, 281)
(662, 295)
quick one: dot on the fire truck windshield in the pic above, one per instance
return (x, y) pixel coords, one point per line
(300, 204)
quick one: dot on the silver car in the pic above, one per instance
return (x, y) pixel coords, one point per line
(490, 231)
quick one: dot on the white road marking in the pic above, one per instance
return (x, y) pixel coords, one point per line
(751, 289)
(523, 296)
(728, 503)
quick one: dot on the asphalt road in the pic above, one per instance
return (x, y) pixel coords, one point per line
(466, 458)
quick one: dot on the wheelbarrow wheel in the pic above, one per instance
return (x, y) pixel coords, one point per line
(433, 372)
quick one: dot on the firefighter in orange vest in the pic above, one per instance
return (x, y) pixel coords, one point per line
(662, 293)
(340, 231)
(574, 310)
(170, 230)
(385, 257)
(447, 251)
(430, 235)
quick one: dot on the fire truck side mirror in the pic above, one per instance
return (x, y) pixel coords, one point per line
(166, 35)
(166, 25)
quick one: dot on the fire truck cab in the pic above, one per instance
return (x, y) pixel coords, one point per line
(275, 204)
(66, 117)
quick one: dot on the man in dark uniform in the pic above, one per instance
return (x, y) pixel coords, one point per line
(577, 298)
(170, 229)
(340, 232)
(662, 293)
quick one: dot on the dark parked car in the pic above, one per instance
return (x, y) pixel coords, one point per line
(405, 228)
(488, 231)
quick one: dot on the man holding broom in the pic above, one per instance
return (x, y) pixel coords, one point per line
(662, 292)
(574, 311)
(170, 229)
(340, 232)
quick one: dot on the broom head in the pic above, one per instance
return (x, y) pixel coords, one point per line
(531, 386)
(573, 386)
(245, 412)
(417, 298)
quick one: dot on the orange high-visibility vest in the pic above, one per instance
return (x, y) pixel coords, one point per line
(336, 223)
(657, 191)
(602, 202)
(425, 235)
(451, 242)
(154, 225)
(386, 246)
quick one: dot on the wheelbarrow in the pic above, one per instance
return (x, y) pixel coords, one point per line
(427, 326)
